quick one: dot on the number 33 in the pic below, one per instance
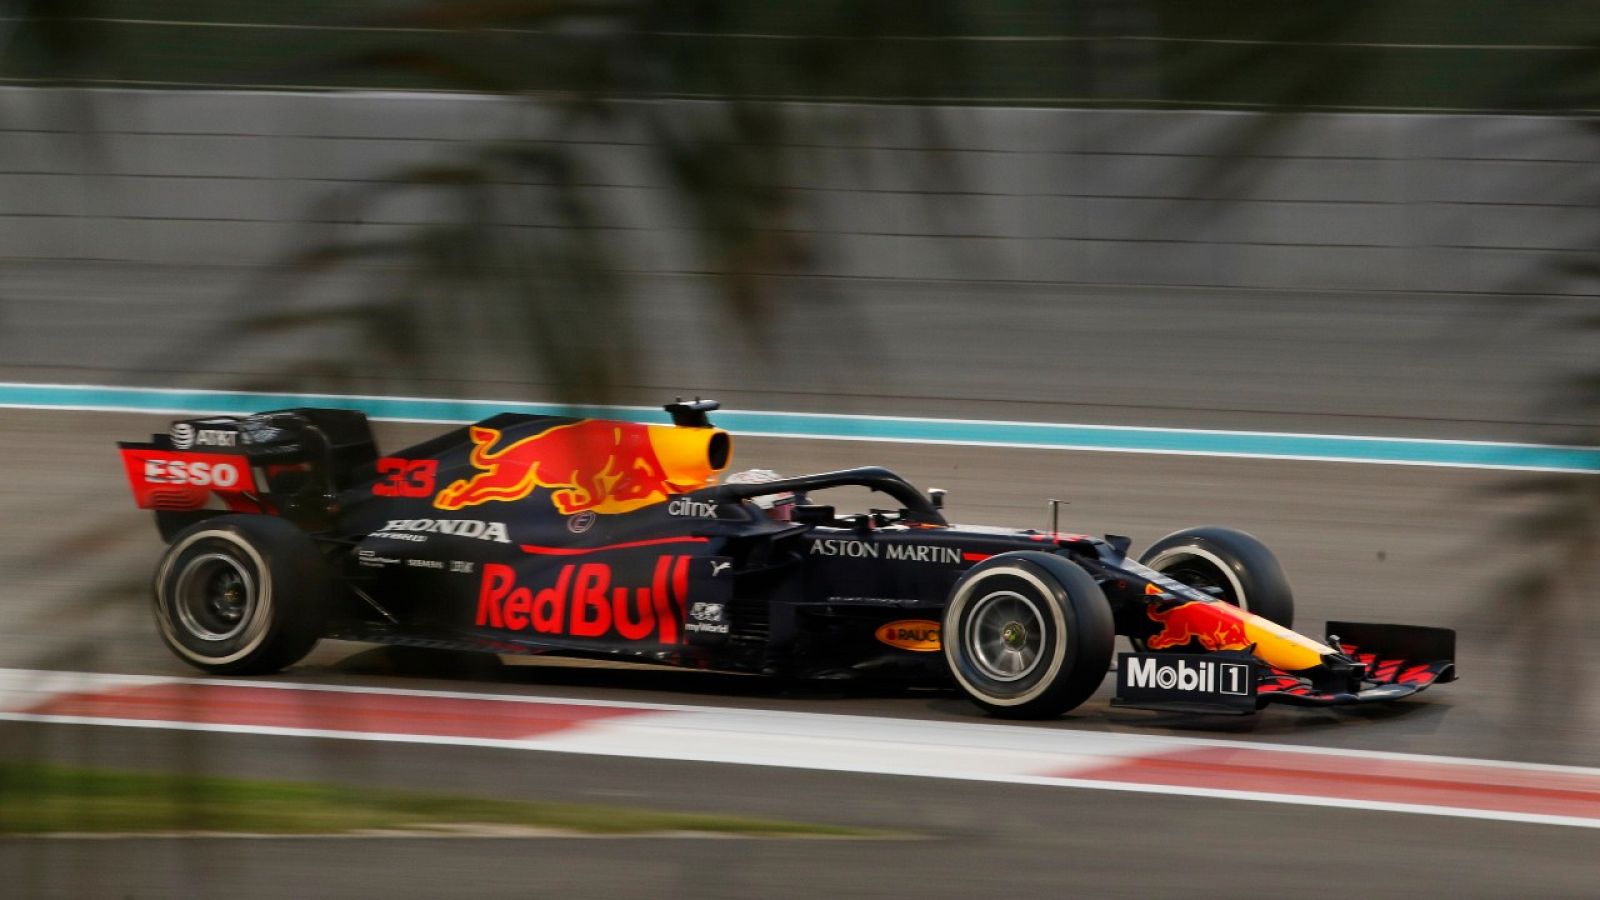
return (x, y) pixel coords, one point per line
(405, 477)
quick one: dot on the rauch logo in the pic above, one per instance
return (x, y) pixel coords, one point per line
(918, 635)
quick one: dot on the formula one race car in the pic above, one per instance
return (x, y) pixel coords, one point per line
(613, 539)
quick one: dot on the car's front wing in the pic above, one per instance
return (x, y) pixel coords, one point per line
(1380, 663)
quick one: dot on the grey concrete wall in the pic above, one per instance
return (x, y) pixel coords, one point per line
(1362, 202)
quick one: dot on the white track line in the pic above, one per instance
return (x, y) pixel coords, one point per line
(987, 752)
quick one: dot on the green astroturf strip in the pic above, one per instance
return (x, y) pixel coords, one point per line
(48, 799)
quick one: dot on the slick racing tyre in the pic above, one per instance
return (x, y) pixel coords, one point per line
(1237, 564)
(241, 595)
(1027, 635)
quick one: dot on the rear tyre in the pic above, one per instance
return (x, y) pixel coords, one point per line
(1027, 635)
(242, 595)
(1238, 564)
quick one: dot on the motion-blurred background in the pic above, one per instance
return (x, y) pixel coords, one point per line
(1368, 218)
(851, 206)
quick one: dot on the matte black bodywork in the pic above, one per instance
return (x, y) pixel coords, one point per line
(485, 538)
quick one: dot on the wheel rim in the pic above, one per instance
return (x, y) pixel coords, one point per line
(1005, 636)
(215, 597)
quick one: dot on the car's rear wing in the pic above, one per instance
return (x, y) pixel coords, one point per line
(290, 462)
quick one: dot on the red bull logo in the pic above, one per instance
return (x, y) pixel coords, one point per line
(593, 465)
(1209, 623)
(584, 602)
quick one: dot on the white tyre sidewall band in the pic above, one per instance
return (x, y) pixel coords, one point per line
(257, 629)
(1188, 551)
(1058, 654)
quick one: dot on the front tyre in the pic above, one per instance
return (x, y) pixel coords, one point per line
(1238, 565)
(1027, 635)
(242, 595)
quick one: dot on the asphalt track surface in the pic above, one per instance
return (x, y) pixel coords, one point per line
(1362, 542)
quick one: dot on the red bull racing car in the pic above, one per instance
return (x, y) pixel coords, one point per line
(615, 540)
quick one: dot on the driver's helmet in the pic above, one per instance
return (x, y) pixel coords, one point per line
(778, 506)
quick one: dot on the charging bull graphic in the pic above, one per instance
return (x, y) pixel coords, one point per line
(1205, 622)
(607, 467)
(1221, 626)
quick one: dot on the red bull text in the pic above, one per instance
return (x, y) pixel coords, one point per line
(583, 602)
